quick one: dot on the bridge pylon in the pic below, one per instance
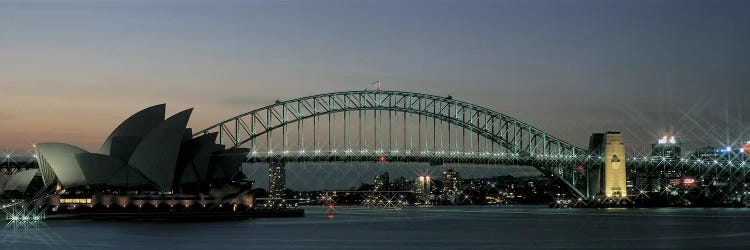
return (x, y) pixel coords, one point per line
(607, 172)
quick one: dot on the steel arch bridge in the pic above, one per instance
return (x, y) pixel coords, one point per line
(374, 125)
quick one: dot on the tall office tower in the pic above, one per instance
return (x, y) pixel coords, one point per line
(423, 188)
(667, 148)
(451, 181)
(276, 180)
(423, 185)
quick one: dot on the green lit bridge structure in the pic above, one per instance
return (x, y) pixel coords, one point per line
(398, 126)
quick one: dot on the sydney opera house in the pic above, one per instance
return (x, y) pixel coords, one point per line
(148, 160)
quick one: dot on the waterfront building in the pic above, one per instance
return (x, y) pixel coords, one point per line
(145, 155)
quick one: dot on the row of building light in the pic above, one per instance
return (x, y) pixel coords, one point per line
(668, 149)
(426, 152)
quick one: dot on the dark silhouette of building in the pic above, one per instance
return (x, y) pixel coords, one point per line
(381, 182)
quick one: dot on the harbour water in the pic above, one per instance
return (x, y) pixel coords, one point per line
(409, 228)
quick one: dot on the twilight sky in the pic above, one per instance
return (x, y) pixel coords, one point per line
(71, 71)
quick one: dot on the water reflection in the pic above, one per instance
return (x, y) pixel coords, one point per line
(30, 234)
(471, 227)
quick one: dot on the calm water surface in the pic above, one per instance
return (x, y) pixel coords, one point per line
(410, 228)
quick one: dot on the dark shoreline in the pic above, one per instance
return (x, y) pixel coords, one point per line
(177, 216)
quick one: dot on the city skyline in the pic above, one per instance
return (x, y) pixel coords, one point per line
(70, 71)
(375, 124)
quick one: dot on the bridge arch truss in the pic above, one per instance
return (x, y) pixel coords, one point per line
(394, 126)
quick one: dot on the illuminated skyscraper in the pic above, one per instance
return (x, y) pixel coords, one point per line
(276, 180)
(423, 188)
(451, 186)
(664, 154)
(667, 148)
(423, 184)
(451, 181)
